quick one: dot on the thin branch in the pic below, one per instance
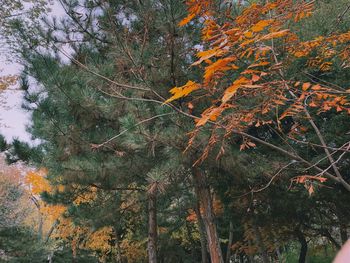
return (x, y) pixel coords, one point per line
(118, 188)
(335, 162)
(134, 126)
(98, 74)
(273, 178)
(330, 157)
(340, 18)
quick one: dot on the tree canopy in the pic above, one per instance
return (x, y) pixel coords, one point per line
(203, 131)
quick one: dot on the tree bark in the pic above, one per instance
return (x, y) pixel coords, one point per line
(303, 248)
(229, 244)
(152, 227)
(204, 198)
(202, 237)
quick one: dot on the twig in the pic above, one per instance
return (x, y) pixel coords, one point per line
(126, 130)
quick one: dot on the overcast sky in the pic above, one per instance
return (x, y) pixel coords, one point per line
(13, 119)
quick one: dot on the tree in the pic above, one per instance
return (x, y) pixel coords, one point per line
(19, 241)
(100, 132)
(256, 50)
(113, 146)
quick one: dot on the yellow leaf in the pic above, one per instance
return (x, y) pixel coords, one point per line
(260, 26)
(204, 55)
(183, 91)
(278, 34)
(220, 65)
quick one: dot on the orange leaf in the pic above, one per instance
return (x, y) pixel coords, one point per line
(306, 86)
(230, 91)
(255, 78)
(204, 55)
(311, 190)
(263, 63)
(316, 87)
(260, 26)
(248, 34)
(251, 144)
(278, 34)
(187, 19)
(183, 91)
(220, 65)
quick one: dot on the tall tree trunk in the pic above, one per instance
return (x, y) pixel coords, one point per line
(204, 197)
(152, 227)
(202, 236)
(229, 244)
(303, 248)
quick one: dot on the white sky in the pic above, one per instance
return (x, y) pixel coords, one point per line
(13, 119)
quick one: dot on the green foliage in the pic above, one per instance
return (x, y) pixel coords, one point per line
(107, 141)
(20, 244)
(19, 151)
(3, 143)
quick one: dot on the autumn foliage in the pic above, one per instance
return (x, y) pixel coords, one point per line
(245, 62)
(197, 130)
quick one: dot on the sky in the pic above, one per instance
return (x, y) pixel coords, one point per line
(13, 119)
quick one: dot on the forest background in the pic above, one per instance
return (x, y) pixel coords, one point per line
(170, 131)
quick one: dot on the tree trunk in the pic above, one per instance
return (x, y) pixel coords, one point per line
(229, 244)
(204, 198)
(303, 248)
(203, 240)
(52, 228)
(152, 227)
